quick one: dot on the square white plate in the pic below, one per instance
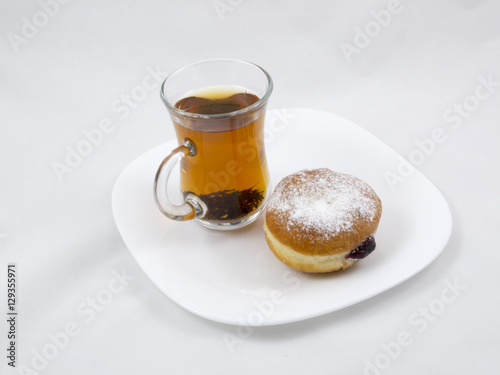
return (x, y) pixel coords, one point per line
(233, 277)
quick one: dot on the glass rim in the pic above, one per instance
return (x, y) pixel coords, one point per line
(250, 108)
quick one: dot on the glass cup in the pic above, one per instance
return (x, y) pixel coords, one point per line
(217, 108)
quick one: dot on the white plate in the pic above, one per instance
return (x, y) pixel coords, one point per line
(232, 277)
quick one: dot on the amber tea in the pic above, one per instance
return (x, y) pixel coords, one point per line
(217, 107)
(229, 172)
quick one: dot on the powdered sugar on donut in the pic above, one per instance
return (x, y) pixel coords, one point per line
(322, 201)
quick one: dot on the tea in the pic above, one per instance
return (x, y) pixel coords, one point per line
(229, 172)
(218, 100)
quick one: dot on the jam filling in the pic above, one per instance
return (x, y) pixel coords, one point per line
(363, 250)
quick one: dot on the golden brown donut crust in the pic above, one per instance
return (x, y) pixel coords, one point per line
(322, 212)
(307, 263)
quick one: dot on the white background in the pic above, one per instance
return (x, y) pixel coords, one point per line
(68, 74)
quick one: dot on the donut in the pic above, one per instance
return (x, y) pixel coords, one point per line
(322, 221)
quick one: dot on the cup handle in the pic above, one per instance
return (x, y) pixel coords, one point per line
(193, 207)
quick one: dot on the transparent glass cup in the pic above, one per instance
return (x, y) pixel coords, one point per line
(224, 178)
